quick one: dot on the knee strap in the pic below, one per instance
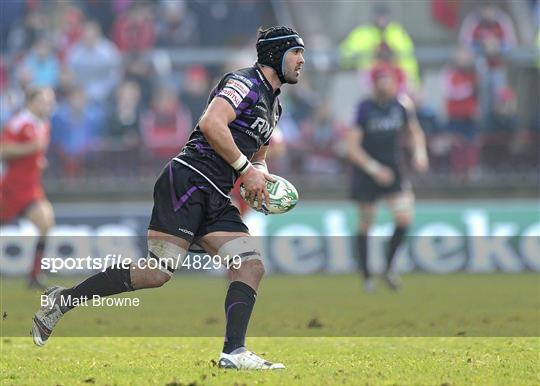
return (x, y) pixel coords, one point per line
(403, 205)
(243, 247)
(168, 255)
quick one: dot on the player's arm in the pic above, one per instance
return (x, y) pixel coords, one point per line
(214, 126)
(259, 159)
(416, 135)
(17, 142)
(9, 150)
(358, 156)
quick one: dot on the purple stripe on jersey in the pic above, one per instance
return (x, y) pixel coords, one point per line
(239, 122)
(178, 203)
(253, 95)
(251, 98)
(255, 80)
(201, 148)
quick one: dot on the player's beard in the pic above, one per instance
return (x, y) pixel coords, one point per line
(291, 77)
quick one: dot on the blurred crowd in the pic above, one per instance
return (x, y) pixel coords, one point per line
(479, 128)
(120, 94)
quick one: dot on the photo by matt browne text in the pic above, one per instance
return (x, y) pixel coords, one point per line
(94, 301)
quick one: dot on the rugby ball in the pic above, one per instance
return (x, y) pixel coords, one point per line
(283, 196)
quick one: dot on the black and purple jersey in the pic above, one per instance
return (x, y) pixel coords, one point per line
(381, 125)
(257, 112)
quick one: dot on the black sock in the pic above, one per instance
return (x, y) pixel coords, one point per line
(395, 242)
(113, 280)
(362, 254)
(238, 306)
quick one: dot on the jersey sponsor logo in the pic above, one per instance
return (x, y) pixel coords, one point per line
(231, 95)
(243, 79)
(240, 87)
(262, 126)
(393, 121)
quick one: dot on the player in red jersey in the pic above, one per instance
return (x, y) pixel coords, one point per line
(23, 143)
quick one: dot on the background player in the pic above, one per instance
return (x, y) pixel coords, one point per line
(23, 144)
(373, 149)
(191, 201)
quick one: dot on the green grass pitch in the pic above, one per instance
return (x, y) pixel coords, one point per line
(440, 330)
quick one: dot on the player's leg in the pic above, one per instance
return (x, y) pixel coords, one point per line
(402, 207)
(41, 214)
(116, 279)
(244, 282)
(240, 299)
(367, 211)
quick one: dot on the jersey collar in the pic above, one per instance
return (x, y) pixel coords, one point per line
(266, 82)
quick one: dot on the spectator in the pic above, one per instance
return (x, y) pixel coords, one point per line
(22, 36)
(42, 63)
(502, 127)
(247, 16)
(176, 26)
(216, 15)
(3, 74)
(123, 120)
(76, 129)
(133, 32)
(489, 32)
(460, 88)
(504, 118)
(321, 139)
(483, 27)
(138, 68)
(105, 12)
(96, 63)
(166, 125)
(11, 101)
(195, 90)
(69, 27)
(361, 46)
(11, 13)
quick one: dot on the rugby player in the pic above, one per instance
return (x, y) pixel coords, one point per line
(374, 151)
(23, 144)
(191, 202)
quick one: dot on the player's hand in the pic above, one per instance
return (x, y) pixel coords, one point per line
(384, 176)
(420, 163)
(255, 184)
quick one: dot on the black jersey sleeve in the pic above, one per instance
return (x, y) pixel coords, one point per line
(239, 91)
(360, 115)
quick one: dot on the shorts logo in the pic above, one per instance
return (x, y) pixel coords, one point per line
(186, 231)
(231, 95)
(240, 87)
